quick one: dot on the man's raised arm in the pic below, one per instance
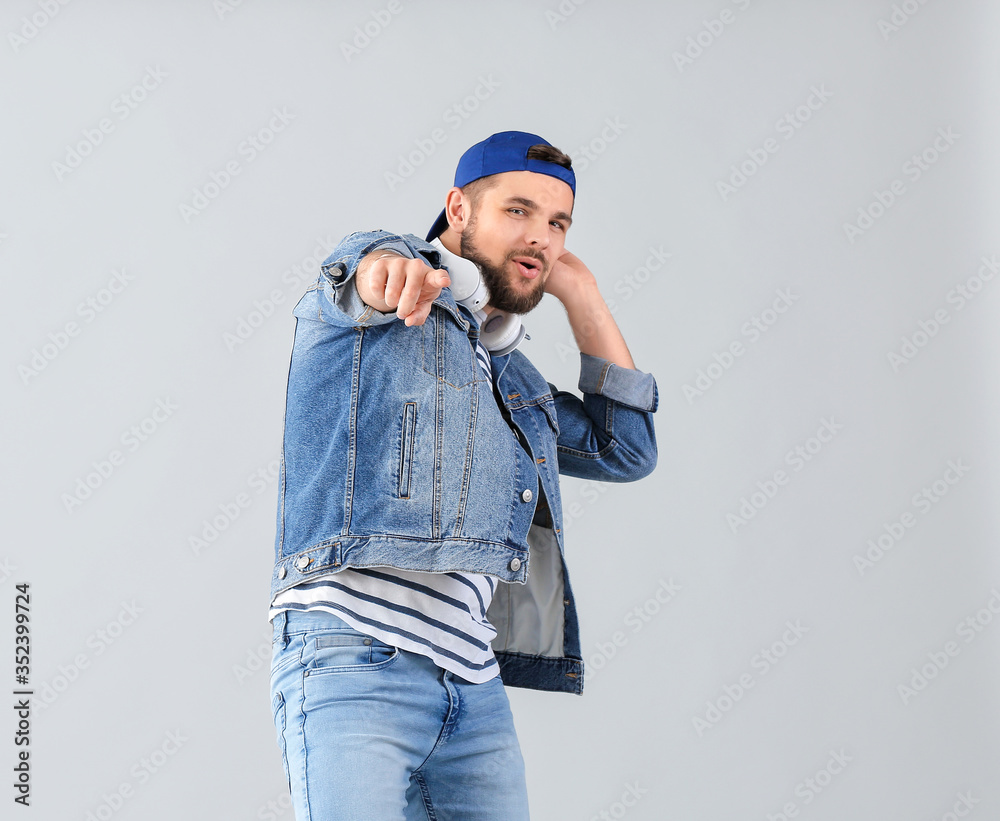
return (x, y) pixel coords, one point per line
(595, 330)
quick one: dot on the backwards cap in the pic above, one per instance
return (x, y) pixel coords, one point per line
(504, 151)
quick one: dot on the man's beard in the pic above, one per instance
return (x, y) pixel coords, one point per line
(503, 296)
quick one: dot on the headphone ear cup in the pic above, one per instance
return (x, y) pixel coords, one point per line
(501, 333)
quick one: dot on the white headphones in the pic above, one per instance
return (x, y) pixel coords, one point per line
(499, 331)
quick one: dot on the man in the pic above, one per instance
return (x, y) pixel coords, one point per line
(419, 484)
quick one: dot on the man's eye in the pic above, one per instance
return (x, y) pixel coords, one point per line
(517, 210)
(559, 225)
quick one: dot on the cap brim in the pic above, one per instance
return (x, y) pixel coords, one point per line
(439, 226)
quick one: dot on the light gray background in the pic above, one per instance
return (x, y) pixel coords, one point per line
(192, 662)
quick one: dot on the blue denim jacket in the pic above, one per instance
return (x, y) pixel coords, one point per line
(398, 453)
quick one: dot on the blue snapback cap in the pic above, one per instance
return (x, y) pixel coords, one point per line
(504, 151)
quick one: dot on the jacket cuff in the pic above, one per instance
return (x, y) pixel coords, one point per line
(624, 385)
(341, 288)
(348, 300)
(338, 271)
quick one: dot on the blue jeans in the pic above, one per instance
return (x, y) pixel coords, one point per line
(370, 732)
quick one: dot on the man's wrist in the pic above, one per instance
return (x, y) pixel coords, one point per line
(582, 294)
(580, 288)
(375, 256)
(372, 257)
(362, 283)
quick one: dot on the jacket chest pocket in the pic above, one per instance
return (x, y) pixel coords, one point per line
(537, 420)
(404, 473)
(448, 353)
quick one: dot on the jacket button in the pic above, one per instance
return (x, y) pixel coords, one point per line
(282, 572)
(515, 564)
(526, 495)
(302, 562)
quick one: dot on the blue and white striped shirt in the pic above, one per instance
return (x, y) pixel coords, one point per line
(439, 615)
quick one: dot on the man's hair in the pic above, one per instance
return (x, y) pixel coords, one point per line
(547, 153)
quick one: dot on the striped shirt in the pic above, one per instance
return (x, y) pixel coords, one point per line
(439, 615)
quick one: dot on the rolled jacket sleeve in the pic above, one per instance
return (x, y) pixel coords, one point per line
(624, 385)
(608, 435)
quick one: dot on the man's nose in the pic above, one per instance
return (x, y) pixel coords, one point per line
(537, 233)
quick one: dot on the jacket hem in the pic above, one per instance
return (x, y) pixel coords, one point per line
(561, 675)
(425, 555)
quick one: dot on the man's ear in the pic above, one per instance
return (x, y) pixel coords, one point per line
(457, 209)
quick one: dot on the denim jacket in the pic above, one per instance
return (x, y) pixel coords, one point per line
(397, 452)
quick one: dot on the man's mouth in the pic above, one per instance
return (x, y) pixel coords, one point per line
(528, 266)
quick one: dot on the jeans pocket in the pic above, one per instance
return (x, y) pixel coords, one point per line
(344, 652)
(282, 655)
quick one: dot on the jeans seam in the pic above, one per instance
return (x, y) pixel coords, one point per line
(425, 793)
(453, 707)
(283, 736)
(305, 762)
